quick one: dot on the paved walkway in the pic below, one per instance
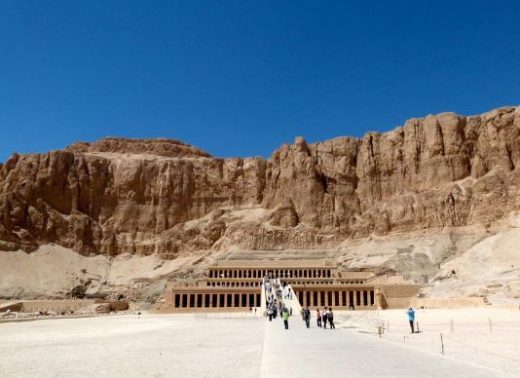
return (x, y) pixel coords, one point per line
(315, 352)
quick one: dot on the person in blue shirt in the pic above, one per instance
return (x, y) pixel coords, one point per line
(411, 318)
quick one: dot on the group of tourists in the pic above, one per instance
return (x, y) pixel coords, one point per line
(322, 317)
(274, 294)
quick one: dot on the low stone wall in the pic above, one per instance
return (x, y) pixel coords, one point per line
(398, 296)
(447, 302)
(400, 291)
(395, 303)
(58, 305)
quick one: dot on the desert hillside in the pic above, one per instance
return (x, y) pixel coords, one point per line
(435, 199)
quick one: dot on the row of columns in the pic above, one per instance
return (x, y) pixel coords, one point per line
(277, 273)
(234, 284)
(336, 298)
(216, 300)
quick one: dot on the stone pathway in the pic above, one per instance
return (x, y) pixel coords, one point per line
(315, 352)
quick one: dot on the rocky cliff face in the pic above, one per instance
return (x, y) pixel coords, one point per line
(162, 196)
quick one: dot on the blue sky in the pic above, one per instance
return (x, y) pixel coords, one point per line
(239, 78)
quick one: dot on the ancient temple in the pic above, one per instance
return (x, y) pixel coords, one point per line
(236, 285)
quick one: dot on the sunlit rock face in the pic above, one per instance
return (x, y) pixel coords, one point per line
(161, 196)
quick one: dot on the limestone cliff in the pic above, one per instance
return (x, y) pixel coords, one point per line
(162, 196)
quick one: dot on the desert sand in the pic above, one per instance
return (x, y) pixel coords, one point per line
(240, 345)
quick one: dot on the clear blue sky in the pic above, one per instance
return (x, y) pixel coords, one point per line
(239, 78)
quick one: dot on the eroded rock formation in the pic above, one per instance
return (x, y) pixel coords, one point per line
(162, 196)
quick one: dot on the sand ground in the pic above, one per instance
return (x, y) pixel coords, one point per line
(487, 337)
(125, 346)
(238, 345)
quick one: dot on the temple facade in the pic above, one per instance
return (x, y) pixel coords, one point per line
(236, 285)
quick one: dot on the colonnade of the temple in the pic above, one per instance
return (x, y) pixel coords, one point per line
(247, 282)
(276, 273)
(238, 286)
(215, 300)
(336, 298)
(226, 283)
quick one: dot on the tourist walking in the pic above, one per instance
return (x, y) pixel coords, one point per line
(325, 317)
(285, 317)
(307, 316)
(411, 318)
(330, 316)
(270, 314)
(318, 318)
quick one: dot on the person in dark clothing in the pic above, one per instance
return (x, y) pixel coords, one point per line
(307, 316)
(325, 316)
(330, 316)
(318, 318)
